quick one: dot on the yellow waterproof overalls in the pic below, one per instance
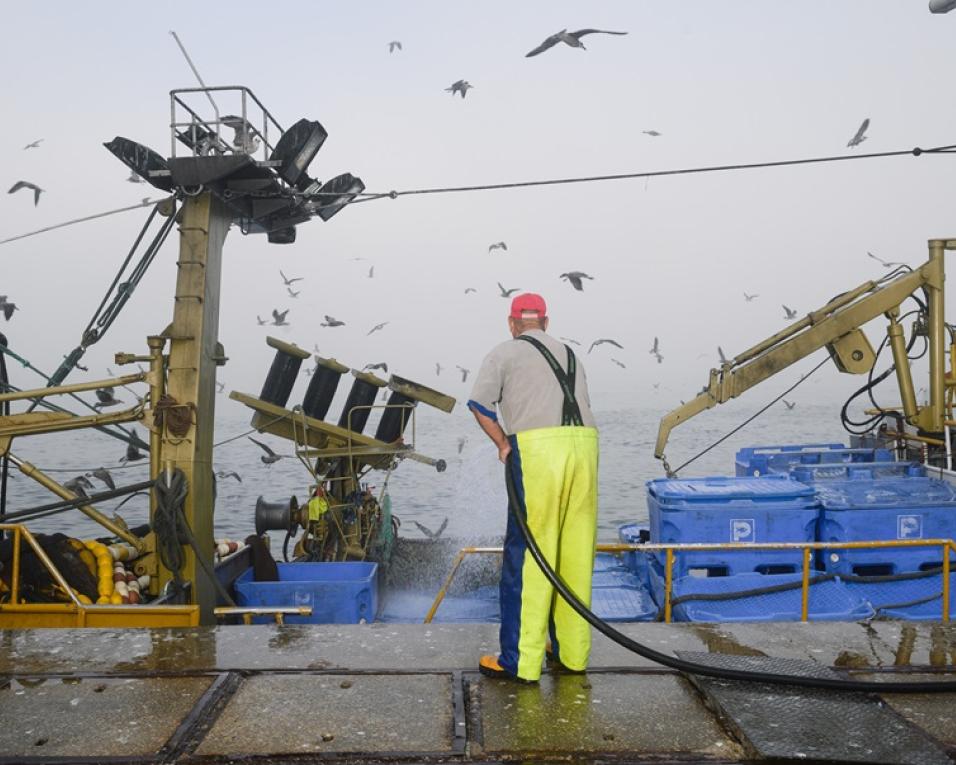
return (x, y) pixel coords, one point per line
(555, 477)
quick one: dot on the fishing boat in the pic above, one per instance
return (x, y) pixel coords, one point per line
(357, 644)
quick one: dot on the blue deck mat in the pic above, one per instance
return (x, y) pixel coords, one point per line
(829, 601)
(888, 599)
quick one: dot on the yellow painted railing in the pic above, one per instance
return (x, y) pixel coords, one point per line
(947, 546)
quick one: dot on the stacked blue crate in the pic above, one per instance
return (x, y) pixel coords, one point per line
(842, 472)
(828, 600)
(635, 561)
(732, 510)
(857, 510)
(779, 460)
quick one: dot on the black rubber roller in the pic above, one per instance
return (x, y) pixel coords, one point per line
(322, 387)
(285, 368)
(395, 418)
(361, 397)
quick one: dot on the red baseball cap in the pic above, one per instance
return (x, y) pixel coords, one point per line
(528, 303)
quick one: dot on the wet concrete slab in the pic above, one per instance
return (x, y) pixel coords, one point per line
(935, 713)
(95, 718)
(335, 714)
(449, 647)
(600, 713)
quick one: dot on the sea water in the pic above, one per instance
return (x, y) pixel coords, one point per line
(470, 493)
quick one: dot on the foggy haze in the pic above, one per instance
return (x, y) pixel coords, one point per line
(671, 257)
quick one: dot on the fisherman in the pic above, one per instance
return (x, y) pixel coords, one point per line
(549, 443)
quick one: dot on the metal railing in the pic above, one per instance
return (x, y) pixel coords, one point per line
(258, 125)
(947, 547)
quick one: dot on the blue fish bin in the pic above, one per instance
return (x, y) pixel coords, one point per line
(856, 471)
(339, 593)
(722, 510)
(635, 561)
(759, 461)
(875, 510)
(759, 598)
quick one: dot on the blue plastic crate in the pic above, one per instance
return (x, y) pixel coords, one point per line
(636, 562)
(778, 460)
(828, 601)
(856, 471)
(339, 593)
(732, 510)
(898, 600)
(869, 510)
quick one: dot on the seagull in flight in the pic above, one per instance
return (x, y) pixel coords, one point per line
(220, 386)
(432, 535)
(27, 185)
(231, 474)
(291, 293)
(749, 298)
(438, 368)
(278, 319)
(394, 45)
(569, 340)
(244, 139)
(102, 474)
(105, 398)
(497, 246)
(569, 38)
(655, 351)
(602, 341)
(859, 138)
(619, 363)
(720, 353)
(270, 456)
(789, 313)
(7, 307)
(78, 485)
(33, 145)
(380, 365)
(464, 373)
(575, 278)
(651, 133)
(506, 293)
(132, 454)
(260, 320)
(331, 321)
(461, 443)
(790, 405)
(470, 289)
(376, 328)
(884, 263)
(371, 272)
(288, 281)
(459, 86)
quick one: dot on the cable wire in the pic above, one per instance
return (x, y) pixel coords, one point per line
(43, 230)
(750, 419)
(659, 173)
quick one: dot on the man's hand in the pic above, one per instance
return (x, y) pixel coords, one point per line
(503, 452)
(495, 433)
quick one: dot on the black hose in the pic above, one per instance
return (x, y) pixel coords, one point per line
(514, 507)
(69, 504)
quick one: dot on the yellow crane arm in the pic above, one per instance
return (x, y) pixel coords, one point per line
(837, 327)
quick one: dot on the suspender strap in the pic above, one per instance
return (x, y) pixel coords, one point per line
(571, 412)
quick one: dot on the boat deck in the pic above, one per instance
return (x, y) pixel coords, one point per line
(411, 693)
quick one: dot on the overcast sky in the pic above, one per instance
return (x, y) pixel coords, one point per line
(722, 82)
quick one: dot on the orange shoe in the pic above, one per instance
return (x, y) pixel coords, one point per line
(488, 666)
